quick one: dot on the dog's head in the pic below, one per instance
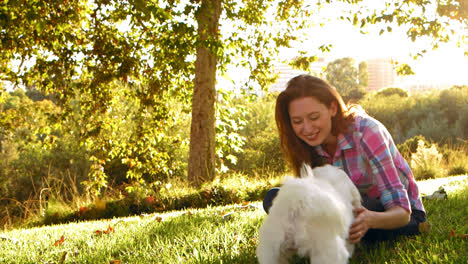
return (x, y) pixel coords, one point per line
(306, 175)
(341, 181)
(306, 171)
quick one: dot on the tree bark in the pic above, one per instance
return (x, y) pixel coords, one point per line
(202, 159)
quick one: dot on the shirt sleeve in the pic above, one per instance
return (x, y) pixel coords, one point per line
(378, 147)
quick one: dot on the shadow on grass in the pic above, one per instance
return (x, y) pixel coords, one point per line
(215, 195)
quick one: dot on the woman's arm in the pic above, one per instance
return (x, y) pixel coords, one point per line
(392, 218)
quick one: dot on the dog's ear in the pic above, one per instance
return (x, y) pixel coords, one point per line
(288, 179)
(306, 171)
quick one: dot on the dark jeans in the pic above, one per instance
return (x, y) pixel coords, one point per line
(372, 235)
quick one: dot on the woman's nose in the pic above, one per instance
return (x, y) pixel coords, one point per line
(308, 126)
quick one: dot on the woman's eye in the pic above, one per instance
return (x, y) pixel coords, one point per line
(314, 117)
(296, 122)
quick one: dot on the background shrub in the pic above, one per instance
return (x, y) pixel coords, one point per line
(392, 111)
(455, 157)
(41, 148)
(392, 91)
(261, 152)
(436, 114)
(426, 162)
(410, 146)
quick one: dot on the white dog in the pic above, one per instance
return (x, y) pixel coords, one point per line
(311, 217)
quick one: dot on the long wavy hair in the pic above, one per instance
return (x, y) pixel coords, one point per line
(295, 150)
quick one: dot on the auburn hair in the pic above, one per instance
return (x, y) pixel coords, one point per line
(295, 150)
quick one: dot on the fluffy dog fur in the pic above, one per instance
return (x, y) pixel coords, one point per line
(311, 217)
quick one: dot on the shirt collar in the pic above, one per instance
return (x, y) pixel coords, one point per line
(344, 142)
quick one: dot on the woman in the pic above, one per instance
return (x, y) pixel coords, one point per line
(315, 127)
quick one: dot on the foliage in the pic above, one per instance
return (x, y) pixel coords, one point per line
(419, 114)
(394, 112)
(391, 91)
(452, 103)
(261, 153)
(230, 121)
(462, 124)
(363, 74)
(65, 48)
(30, 147)
(426, 162)
(433, 128)
(36, 156)
(343, 75)
(131, 133)
(439, 22)
(303, 63)
(404, 69)
(460, 169)
(40, 151)
(455, 157)
(178, 195)
(410, 146)
(85, 47)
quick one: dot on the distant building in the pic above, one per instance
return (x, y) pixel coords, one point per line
(287, 72)
(421, 86)
(381, 74)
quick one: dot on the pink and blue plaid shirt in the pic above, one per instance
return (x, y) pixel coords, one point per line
(369, 156)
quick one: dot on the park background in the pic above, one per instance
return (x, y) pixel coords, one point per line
(98, 97)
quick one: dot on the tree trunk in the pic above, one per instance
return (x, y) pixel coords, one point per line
(202, 159)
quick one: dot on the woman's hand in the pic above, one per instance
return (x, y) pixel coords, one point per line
(361, 224)
(364, 220)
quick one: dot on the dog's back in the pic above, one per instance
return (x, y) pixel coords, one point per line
(309, 216)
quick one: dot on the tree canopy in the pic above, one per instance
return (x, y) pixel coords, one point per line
(81, 51)
(347, 79)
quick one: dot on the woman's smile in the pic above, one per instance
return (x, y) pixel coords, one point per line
(311, 120)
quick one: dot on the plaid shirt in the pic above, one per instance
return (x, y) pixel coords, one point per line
(369, 156)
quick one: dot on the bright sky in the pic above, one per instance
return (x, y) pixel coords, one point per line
(447, 64)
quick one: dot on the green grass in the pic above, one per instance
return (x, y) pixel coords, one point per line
(437, 246)
(209, 236)
(195, 236)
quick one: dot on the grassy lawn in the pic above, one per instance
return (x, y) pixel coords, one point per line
(225, 234)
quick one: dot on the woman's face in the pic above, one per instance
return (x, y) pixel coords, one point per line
(311, 120)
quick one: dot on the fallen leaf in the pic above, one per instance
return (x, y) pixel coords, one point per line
(247, 205)
(453, 234)
(83, 210)
(115, 261)
(149, 200)
(109, 229)
(60, 241)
